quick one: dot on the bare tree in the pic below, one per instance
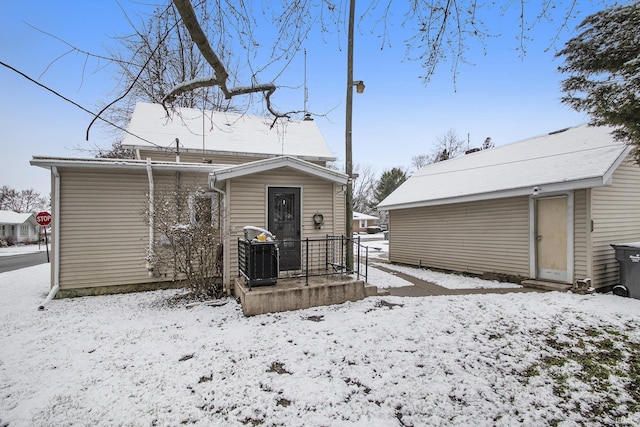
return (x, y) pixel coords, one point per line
(264, 38)
(364, 184)
(488, 143)
(420, 161)
(441, 31)
(447, 146)
(22, 201)
(152, 60)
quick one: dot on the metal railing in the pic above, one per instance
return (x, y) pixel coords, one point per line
(310, 257)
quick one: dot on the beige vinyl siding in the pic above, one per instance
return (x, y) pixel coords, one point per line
(102, 230)
(52, 238)
(247, 205)
(104, 234)
(615, 212)
(340, 210)
(581, 233)
(475, 237)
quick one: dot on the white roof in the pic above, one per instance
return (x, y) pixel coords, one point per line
(11, 217)
(358, 216)
(579, 157)
(229, 133)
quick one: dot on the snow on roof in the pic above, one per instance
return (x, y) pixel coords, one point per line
(578, 157)
(100, 163)
(224, 132)
(11, 217)
(360, 216)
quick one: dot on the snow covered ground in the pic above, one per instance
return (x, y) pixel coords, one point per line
(483, 360)
(449, 281)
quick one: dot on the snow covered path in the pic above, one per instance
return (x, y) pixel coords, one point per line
(483, 360)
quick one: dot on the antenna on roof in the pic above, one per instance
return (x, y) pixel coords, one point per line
(306, 95)
(307, 116)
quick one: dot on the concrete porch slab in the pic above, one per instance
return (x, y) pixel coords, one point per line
(293, 294)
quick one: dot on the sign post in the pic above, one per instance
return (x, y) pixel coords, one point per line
(44, 219)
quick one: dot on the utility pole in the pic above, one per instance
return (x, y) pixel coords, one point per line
(348, 141)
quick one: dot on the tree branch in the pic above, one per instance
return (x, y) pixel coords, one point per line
(190, 21)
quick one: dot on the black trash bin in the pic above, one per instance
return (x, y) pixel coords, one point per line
(258, 259)
(628, 256)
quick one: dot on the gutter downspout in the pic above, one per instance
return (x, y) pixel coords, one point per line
(56, 239)
(225, 246)
(152, 215)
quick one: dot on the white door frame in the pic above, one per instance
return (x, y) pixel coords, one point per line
(533, 270)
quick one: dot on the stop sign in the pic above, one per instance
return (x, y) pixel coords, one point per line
(43, 218)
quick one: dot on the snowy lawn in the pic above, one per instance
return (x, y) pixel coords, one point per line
(530, 359)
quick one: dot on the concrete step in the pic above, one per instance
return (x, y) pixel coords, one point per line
(373, 291)
(547, 286)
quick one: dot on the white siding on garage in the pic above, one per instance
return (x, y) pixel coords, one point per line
(615, 212)
(475, 237)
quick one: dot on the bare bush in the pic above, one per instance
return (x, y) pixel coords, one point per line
(187, 238)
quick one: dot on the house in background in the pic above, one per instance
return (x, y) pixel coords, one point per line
(544, 210)
(362, 221)
(252, 173)
(18, 227)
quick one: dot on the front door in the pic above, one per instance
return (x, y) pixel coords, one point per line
(284, 222)
(551, 238)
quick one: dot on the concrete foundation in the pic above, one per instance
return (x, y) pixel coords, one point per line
(294, 294)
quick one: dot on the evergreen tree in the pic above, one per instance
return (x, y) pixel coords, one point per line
(603, 63)
(389, 181)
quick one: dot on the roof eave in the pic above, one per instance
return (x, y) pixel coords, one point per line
(217, 178)
(48, 162)
(543, 189)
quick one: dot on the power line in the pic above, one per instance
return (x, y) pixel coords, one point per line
(76, 104)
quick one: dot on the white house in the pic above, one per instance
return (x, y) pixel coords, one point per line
(18, 227)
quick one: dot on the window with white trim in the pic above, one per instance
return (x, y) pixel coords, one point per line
(204, 206)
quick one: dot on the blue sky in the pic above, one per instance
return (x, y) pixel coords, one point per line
(498, 94)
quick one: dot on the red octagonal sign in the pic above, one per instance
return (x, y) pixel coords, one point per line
(43, 218)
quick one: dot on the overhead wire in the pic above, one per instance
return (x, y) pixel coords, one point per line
(95, 115)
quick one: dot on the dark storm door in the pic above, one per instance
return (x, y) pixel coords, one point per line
(284, 222)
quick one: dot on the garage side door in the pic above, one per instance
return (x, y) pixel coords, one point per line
(551, 238)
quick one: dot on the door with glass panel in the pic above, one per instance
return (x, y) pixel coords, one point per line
(284, 222)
